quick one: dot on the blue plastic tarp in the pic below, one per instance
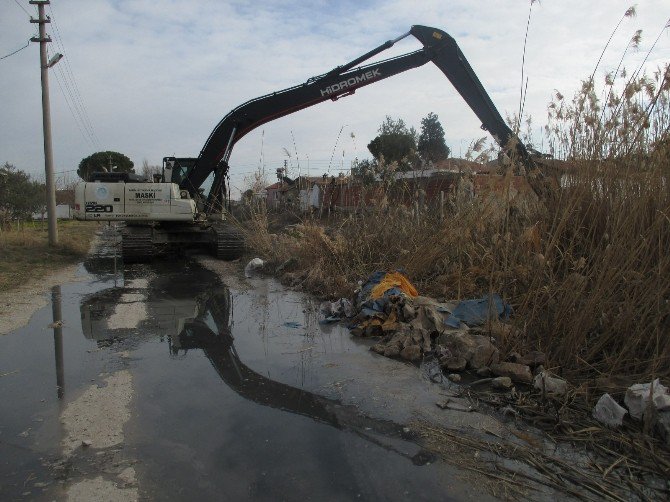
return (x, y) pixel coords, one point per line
(479, 311)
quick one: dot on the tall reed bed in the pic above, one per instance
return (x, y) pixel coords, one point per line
(587, 270)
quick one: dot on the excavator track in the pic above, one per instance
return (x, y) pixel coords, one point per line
(137, 245)
(229, 242)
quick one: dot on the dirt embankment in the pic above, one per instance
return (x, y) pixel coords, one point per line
(20, 301)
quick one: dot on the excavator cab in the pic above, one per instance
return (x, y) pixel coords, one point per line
(176, 170)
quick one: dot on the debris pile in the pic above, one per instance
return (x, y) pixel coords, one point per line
(648, 403)
(411, 327)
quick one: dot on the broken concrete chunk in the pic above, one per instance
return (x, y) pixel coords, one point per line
(477, 350)
(453, 363)
(517, 372)
(501, 383)
(484, 354)
(411, 353)
(252, 266)
(546, 382)
(443, 404)
(408, 312)
(638, 396)
(427, 318)
(607, 411)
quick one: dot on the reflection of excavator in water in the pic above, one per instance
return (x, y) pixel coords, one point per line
(174, 214)
(186, 322)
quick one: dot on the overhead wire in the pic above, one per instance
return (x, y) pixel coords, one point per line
(17, 50)
(22, 7)
(69, 77)
(74, 116)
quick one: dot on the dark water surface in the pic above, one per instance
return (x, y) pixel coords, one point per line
(237, 393)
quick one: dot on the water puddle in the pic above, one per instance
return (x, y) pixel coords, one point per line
(236, 393)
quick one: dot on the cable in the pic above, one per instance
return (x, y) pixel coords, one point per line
(22, 8)
(67, 101)
(17, 50)
(68, 73)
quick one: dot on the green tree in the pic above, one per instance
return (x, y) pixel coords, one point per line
(432, 147)
(20, 196)
(103, 161)
(364, 170)
(395, 143)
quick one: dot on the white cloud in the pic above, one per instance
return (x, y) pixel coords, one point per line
(156, 78)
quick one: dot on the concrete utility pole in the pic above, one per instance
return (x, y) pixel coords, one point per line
(43, 39)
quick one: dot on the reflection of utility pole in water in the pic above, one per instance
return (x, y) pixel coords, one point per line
(58, 339)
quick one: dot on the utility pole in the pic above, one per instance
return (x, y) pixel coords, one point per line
(43, 39)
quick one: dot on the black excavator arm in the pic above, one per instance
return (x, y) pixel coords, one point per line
(438, 47)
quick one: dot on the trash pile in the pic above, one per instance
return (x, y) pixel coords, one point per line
(411, 326)
(646, 402)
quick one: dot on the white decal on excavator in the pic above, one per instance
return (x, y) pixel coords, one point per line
(351, 82)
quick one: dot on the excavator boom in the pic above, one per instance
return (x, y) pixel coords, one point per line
(438, 47)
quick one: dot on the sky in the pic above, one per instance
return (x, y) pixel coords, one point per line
(151, 79)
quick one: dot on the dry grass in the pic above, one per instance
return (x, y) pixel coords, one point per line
(586, 270)
(25, 254)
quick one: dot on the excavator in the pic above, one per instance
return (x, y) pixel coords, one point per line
(173, 213)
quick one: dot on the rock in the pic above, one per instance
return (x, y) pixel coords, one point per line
(546, 382)
(454, 377)
(477, 350)
(443, 404)
(422, 337)
(607, 411)
(500, 331)
(408, 312)
(638, 397)
(452, 363)
(460, 405)
(411, 353)
(428, 318)
(442, 351)
(484, 353)
(662, 427)
(484, 372)
(86, 443)
(533, 358)
(517, 372)
(391, 350)
(501, 383)
(252, 266)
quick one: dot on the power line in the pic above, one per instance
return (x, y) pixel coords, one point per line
(68, 73)
(67, 102)
(17, 50)
(22, 8)
(76, 114)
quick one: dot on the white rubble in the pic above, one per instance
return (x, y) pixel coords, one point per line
(252, 266)
(607, 411)
(638, 396)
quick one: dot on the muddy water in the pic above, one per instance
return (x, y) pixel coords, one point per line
(212, 392)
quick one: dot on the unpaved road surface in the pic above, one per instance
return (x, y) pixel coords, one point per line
(182, 381)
